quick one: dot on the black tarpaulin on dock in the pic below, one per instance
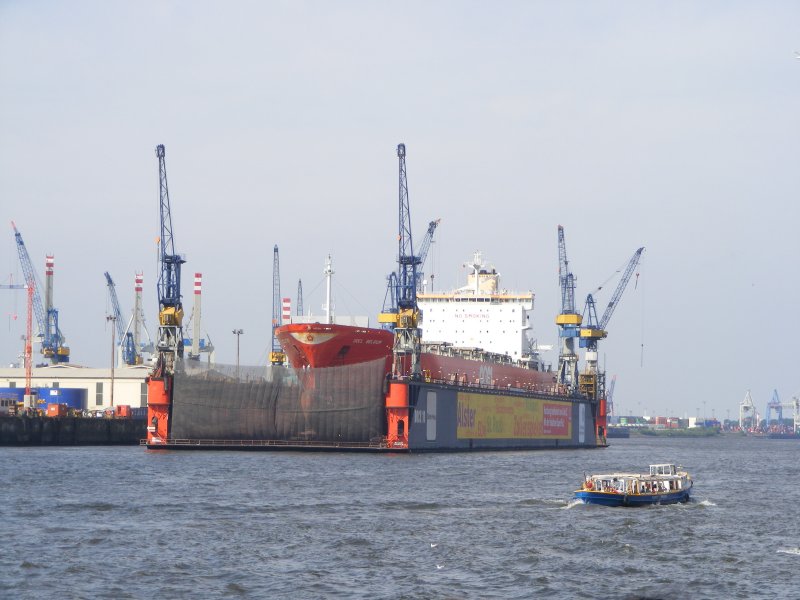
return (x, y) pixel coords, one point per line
(338, 404)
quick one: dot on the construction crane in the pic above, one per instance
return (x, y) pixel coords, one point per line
(774, 404)
(405, 320)
(748, 406)
(610, 396)
(299, 312)
(591, 382)
(423, 254)
(169, 343)
(52, 340)
(389, 313)
(276, 356)
(170, 314)
(568, 321)
(128, 352)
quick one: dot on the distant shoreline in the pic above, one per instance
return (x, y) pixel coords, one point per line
(697, 432)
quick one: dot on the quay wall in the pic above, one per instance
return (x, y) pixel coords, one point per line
(70, 431)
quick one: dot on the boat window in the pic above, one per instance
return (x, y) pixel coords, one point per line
(401, 428)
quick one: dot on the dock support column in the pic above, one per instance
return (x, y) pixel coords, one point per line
(159, 398)
(397, 415)
(602, 425)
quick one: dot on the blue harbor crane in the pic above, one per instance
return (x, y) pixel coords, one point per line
(774, 404)
(591, 382)
(405, 320)
(52, 340)
(170, 314)
(127, 346)
(423, 253)
(276, 356)
(169, 343)
(389, 312)
(568, 321)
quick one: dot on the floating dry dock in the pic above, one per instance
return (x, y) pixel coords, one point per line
(355, 408)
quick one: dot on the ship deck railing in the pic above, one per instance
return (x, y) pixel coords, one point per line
(548, 389)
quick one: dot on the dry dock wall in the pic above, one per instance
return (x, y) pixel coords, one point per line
(70, 431)
(449, 418)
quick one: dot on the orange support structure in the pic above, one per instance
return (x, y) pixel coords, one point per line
(601, 419)
(159, 398)
(397, 415)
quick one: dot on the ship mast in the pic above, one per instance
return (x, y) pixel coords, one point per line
(328, 272)
(476, 265)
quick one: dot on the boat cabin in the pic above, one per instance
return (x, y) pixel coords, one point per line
(666, 469)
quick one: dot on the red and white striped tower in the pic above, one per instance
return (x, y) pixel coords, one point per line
(48, 283)
(138, 315)
(198, 291)
(286, 311)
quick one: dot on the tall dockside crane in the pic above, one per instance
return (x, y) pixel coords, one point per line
(610, 396)
(276, 356)
(169, 344)
(591, 383)
(568, 321)
(406, 320)
(170, 314)
(774, 404)
(53, 342)
(748, 406)
(128, 351)
(423, 254)
(389, 313)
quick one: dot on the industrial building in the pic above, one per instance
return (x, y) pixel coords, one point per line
(98, 389)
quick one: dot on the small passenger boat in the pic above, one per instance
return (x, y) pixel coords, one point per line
(665, 484)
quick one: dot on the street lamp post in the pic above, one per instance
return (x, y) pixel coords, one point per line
(113, 320)
(237, 333)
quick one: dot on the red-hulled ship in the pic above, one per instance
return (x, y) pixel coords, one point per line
(331, 345)
(482, 332)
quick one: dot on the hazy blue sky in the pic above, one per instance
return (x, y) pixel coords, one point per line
(672, 126)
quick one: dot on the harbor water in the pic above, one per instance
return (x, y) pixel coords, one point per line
(124, 522)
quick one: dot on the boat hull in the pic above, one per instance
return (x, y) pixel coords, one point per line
(614, 499)
(319, 345)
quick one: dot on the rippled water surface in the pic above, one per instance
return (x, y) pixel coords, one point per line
(129, 523)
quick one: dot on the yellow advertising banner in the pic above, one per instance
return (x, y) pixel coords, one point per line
(492, 417)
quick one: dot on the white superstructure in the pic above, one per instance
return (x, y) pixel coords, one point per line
(480, 314)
